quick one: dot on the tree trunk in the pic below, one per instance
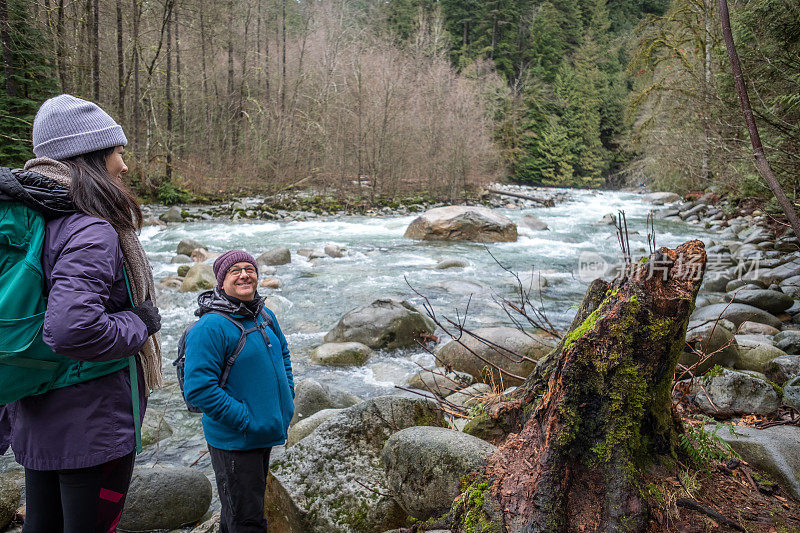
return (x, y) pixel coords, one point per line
(231, 103)
(758, 150)
(283, 57)
(168, 90)
(136, 102)
(179, 87)
(96, 50)
(120, 65)
(580, 430)
(8, 56)
(61, 49)
(205, 72)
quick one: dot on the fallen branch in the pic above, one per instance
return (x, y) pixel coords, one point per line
(693, 505)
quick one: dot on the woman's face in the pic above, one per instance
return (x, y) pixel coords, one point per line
(114, 163)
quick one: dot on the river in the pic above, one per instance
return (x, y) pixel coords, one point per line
(381, 263)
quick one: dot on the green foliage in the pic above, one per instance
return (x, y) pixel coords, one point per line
(170, 194)
(703, 446)
(34, 82)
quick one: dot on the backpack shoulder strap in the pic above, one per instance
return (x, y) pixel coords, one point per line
(223, 379)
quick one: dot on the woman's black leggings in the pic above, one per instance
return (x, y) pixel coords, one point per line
(81, 500)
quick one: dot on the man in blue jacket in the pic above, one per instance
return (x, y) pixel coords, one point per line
(250, 413)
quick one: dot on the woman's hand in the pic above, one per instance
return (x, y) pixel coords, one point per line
(149, 315)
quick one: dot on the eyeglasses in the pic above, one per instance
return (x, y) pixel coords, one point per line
(237, 271)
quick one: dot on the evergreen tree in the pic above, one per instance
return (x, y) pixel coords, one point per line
(26, 81)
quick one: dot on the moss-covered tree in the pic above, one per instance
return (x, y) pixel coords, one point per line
(577, 436)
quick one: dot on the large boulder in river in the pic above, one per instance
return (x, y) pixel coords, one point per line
(533, 223)
(165, 497)
(199, 278)
(773, 450)
(311, 396)
(736, 313)
(306, 426)
(424, 466)
(275, 257)
(10, 495)
(387, 323)
(341, 354)
(187, 246)
(462, 223)
(333, 480)
(516, 355)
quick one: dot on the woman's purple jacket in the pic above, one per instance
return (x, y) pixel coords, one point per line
(92, 422)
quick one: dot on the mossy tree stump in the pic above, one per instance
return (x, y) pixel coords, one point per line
(582, 428)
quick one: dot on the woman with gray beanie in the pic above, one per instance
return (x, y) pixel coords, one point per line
(77, 443)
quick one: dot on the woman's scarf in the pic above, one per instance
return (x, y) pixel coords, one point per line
(140, 273)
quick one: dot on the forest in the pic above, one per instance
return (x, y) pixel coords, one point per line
(413, 96)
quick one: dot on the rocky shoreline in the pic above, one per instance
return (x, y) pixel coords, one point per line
(310, 205)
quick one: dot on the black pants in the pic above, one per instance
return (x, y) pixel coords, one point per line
(78, 500)
(241, 482)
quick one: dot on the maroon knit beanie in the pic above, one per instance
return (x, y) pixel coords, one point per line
(227, 260)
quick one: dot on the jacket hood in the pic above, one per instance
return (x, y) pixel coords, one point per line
(215, 300)
(36, 191)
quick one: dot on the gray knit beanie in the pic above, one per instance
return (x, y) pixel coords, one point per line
(66, 126)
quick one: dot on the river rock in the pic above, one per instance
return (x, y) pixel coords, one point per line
(387, 323)
(709, 338)
(783, 368)
(311, 396)
(187, 246)
(341, 354)
(199, 278)
(209, 526)
(451, 263)
(464, 358)
(334, 250)
(171, 282)
(661, 198)
(757, 357)
(183, 270)
(772, 450)
(791, 286)
(768, 276)
(773, 302)
(304, 427)
(734, 393)
(609, 219)
(736, 313)
(275, 257)
(10, 495)
(716, 282)
(532, 223)
(462, 223)
(424, 466)
(165, 497)
(180, 259)
(270, 283)
(754, 328)
(154, 427)
(440, 382)
(200, 255)
(332, 480)
(173, 214)
(469, 396)
(791, 393)
(788, 341)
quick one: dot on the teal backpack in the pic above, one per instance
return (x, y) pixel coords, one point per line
(27, 365)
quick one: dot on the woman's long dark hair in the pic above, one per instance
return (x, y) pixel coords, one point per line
(96, 193)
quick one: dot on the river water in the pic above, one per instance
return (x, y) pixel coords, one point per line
(381, 263)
